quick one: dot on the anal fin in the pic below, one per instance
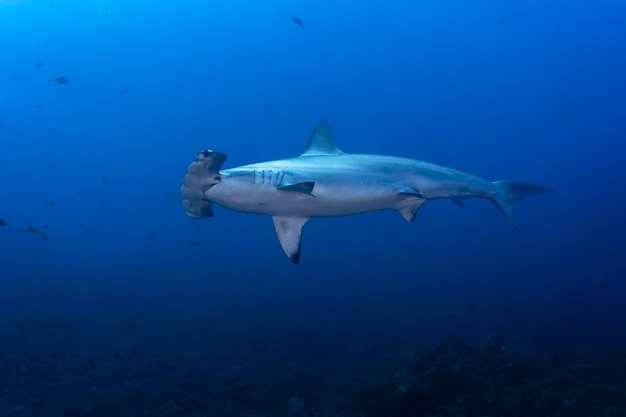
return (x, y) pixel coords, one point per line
(289, 231)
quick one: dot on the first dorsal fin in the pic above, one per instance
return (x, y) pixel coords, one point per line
(321, 142)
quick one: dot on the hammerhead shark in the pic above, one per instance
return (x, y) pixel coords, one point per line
(324, 181)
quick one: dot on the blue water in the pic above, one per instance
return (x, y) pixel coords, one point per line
(529, 91)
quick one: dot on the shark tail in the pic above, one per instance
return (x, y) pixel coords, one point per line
(508, 193)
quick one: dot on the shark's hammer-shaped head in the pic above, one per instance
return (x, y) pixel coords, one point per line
(202, 174)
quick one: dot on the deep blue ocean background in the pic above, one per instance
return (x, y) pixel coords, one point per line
(528, 91)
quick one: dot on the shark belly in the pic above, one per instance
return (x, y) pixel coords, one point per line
(333, 196)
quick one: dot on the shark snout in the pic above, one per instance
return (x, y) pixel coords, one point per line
(201, 175)
(211, 158)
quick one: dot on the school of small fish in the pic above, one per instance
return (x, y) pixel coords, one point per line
(64, 80)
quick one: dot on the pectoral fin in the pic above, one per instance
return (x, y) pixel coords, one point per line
(409, 208)
(408, 191)
(458, 201)
(300, 187)
(289, 231)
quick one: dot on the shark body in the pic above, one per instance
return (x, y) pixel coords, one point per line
(324, 181)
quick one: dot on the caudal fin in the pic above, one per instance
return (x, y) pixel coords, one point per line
(508, 193)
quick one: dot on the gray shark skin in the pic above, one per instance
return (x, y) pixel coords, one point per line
(324, 181)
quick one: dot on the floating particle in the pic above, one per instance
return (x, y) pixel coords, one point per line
(56, 167)
(124, 90)
(90, 231)
(131, 200)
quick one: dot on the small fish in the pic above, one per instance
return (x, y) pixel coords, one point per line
(192, 244)
(156, 127)
(125, 172)
(32, 229)
(172, 199)
(38, 65)
(124, 90)
(2, 222)
(61, 80)
(45, 236)
(116, 355)
(86, 368)
(613, 254)
(51, 4)
(49, 204)
(154, 239)
(56, 167)
(90, 231)
(297, 21)
(132, 200)
(39, 105)
(197, 227)
(103, 180)
(300, 90)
